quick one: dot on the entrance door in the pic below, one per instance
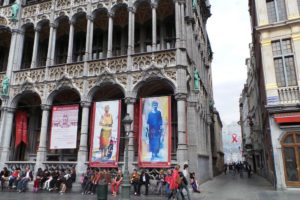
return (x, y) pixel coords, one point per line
(291, 158)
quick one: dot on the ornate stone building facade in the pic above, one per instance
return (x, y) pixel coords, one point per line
(60, 52)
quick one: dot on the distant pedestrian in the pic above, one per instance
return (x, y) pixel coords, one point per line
(249, 170)
(225, 168)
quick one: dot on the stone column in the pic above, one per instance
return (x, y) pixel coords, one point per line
(110, 35)
(82, 156)
(42, 150)
(181, 120)
(183, 27)
(71, 42)
(50, 43)
(162, 35)
(130, 110)
(12, 51)
(35, 46)
(19, 51)
(178, 24)
(154, 26)
(88, 38)
(91, 37)
(9, 116)
(133, 31)
(208, 147)
(52, 61)
(130, 30)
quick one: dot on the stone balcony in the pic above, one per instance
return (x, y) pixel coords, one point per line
(91, 70)
(289, 95)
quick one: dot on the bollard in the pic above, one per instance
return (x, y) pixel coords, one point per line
(102, 191)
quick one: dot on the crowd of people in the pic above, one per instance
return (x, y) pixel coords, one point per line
(170, 182)
(238, 168)
(59, 180)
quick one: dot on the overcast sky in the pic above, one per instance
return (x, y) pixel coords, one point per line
(230, 35)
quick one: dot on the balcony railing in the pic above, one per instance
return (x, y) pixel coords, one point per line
(94, 68)
(11, 165)
(289, 95)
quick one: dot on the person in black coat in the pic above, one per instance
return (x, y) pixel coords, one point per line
(144, 180)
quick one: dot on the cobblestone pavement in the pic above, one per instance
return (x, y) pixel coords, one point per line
(228, 187)
(224, 187)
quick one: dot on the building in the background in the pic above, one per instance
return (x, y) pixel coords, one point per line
(256, 145)
(232, 143)
(276, 55)
(59, 57)
(217, 144)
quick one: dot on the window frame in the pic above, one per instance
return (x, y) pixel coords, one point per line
(277, 11)
(283, 56)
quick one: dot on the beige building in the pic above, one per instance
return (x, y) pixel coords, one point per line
(276, 43)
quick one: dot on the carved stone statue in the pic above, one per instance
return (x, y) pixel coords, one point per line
(196, 79)
(5, 86)
(15, 11)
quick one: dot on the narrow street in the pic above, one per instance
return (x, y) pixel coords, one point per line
(228, 187)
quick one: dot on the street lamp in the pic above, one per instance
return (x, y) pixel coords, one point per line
(127, 121)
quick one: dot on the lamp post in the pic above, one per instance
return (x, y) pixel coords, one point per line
(126, 182)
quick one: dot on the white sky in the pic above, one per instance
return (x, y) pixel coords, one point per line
(230, 34)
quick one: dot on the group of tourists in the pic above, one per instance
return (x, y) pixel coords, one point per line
(238, 168)
(59, 180)
(170, 182)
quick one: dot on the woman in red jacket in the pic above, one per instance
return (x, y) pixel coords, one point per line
(175, 182)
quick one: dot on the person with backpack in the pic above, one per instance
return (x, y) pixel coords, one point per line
(184, 185)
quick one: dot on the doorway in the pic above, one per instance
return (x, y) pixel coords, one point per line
(291, 158)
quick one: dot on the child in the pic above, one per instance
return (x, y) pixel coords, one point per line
(194, 182)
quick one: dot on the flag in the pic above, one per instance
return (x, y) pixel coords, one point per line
(21, 128)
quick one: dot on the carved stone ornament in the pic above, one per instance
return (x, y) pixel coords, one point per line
(153, 72)
(106, 77)
(3, 21)
(27, 85)
(64, 82)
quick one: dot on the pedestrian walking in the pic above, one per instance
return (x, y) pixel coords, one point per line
(175, 183)
(225, 168)
(184, 185)
(249, 170)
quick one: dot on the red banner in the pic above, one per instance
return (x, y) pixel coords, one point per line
(21, 128)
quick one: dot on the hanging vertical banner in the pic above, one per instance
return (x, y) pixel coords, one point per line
(155, 132)
(64, 127)
(105, 137)
(21, 128)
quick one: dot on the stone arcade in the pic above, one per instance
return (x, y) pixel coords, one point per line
(61, 52)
